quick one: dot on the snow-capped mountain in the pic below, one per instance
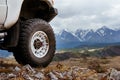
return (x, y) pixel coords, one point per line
(65, 38)
(101, 35)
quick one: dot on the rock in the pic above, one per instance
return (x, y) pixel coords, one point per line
(27, 77)
(59, 75)
(114, 74)
(29, 69)
(52, 76)
(69, 74)
(39, 75)
(17, 69)
(11, 75)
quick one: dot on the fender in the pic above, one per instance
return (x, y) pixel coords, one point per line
(14, 9)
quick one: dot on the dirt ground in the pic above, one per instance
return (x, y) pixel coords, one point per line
(110, 62)
(72, 69)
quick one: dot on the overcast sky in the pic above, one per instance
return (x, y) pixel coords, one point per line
(86, 14)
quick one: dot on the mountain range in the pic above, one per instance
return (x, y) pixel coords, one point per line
(102, 36)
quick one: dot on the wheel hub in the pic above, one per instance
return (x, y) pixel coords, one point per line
(39, 44)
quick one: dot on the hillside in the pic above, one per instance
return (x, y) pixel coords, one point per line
(65, 54)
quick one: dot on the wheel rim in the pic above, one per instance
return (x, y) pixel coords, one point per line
(39, 44)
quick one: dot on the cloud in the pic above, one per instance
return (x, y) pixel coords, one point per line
(84, 14)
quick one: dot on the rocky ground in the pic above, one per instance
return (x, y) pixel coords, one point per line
(60, 70)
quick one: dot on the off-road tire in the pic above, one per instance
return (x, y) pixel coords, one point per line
(23, 52)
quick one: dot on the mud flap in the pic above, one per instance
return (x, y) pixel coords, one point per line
(12, 38)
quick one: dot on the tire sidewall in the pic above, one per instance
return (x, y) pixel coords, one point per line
(49, 32)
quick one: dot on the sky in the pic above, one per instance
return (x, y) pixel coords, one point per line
(86, 14)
